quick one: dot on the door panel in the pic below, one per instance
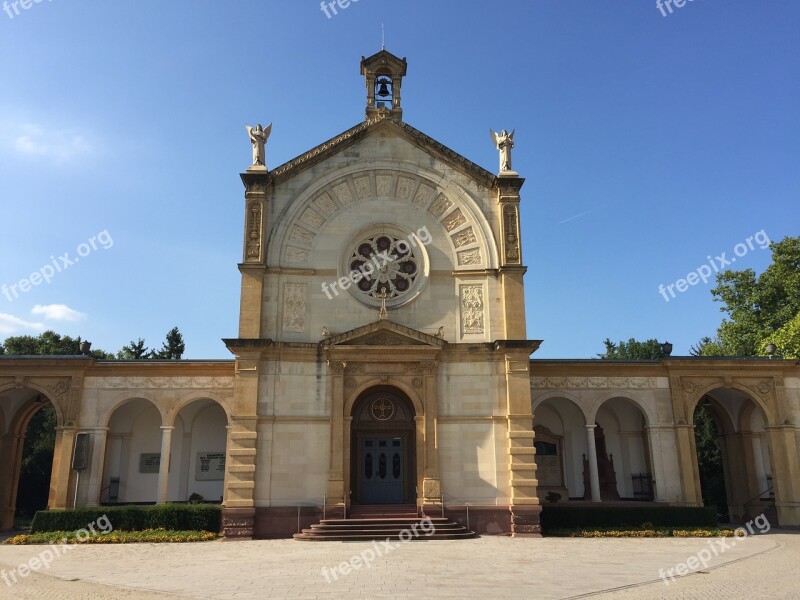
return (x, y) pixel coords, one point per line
(382, 470)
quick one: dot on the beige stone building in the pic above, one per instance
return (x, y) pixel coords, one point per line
(382, 358)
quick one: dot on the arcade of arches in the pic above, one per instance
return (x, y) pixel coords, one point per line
(382, 357)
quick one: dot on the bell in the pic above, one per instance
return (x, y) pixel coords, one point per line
(383, 90)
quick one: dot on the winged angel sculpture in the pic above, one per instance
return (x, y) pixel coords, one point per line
(258, 137)
(504, 142)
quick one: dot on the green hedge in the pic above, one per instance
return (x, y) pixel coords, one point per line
(174, 517)
(574, 517)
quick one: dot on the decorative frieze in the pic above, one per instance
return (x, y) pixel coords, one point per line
(594, 382)
(454, 220)
(469, 257)
(195, 383)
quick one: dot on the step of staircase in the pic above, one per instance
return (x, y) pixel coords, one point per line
(367, 528)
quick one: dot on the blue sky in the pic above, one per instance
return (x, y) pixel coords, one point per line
(648, 143)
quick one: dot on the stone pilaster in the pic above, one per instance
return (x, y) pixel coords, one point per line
(510, 251)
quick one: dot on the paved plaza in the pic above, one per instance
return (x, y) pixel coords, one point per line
(763, 566)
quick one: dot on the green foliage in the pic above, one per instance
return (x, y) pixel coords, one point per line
(177, 517)
(134, 351)
(150, 536)
(707, 346)
(632, 350)
(786, 339)
(759, 306)
(173, 347)
(709, 461)
(49, 343)
(37, 462)
(573, 517)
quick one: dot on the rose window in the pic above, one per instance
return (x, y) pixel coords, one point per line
(388, 266)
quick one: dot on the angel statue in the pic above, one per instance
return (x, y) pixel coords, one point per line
(504, 142)
(258, 137)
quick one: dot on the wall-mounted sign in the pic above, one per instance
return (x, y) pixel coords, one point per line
(210, 466)
(149, 462)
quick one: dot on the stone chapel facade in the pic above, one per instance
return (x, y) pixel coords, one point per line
(382, 358)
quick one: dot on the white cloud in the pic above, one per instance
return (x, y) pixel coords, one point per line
(58, 312)
(9, 325)
(59, 145)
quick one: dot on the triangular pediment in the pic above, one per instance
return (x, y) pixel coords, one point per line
(382, 122)
(384, 333)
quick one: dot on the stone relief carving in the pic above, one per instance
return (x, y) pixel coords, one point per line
(325, 204)
(469, 257)
(296, 255)
(594, 382)
(254, 230)
(404, 187)
(441, 206)
(196, 383)
(511, 233)
(301, 235)
(337, 366)
(454, 219)
(309, 217)
(464, 238)
(363, 187)
(342, 190)
(294, 307)
(384, 183)
(423, 195)
(472, 309)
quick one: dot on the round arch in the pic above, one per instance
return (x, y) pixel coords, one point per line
(296, 213)
(410, 393)
(700, 394)
(174, 410)
(126, 399)
(12, 418)
(383, 447)
(643, 407)
(560, 395)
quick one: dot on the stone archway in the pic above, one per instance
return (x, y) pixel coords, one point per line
(383, 448)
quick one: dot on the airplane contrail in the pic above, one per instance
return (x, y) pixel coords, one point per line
(579, 215)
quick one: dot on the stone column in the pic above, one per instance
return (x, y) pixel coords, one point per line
(62, 468)
(336, 488)
(9, 473)
(594, 477)
(96, 466)
(163, 468)
(511, 269)
(431, 483)
(783, 443)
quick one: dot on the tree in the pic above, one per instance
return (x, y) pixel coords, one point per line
(37, 462)
(173, 347)
(709, 460)
(759, 306)
(707, 347)
(786, 340)
(134, 351)
(49, 343)
(632, 350)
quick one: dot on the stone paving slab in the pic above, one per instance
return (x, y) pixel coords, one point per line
(765, 566)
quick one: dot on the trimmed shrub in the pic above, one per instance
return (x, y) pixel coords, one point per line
(172, 517)
(594, 517)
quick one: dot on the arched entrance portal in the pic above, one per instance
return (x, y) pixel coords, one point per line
(383, 451)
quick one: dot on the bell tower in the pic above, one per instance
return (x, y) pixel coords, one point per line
(384, 74)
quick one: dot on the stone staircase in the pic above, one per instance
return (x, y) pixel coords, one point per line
(381, 522)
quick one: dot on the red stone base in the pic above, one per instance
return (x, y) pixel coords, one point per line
(525, 521)
(483, 520)
(237, 523)
(281, 522)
